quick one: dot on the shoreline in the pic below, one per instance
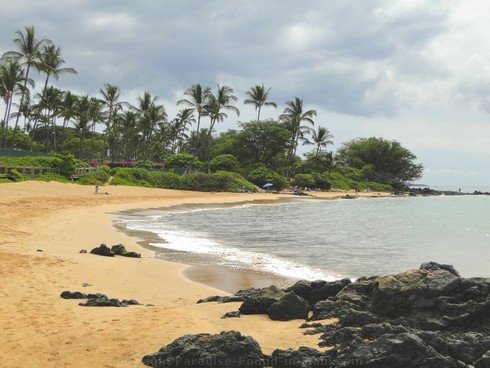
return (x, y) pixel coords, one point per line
(202, 268)
(44, 227)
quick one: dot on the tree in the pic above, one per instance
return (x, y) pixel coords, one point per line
(294, 115)
(149, 115)
(390, 162)
(179, 127)
(127, 128)
(82, 123)
(218, 104)
(197, 99)
(257, 96)
(29, 53)
(12, 83)
(111, 107)
(320, 138)
(225, 163)
(51, 63)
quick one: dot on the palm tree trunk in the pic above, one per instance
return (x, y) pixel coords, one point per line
(258, 115)
(7, 121)
(23, 93)
(4, 128)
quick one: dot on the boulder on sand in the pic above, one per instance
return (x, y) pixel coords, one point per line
(227, 349)
(118, 249)
(289, 307)
(103, 250)
(73, 295)
(260, 300)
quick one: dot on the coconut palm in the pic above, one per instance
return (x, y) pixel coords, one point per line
(179, 127)
(257, 96)
(112, 106)
(12, 83)
(29, 54)
(51, 63)
(197, 99)
(150, 114)
(321, 138)
(294, 115)
(127, 128)
(82, 120)
(218, 104)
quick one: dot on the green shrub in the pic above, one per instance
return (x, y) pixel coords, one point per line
(88, 179)
(375, 187)
(4, 181)
(52, 177)
(221, 181)
(182, 161)
(321, 180)
(132, 177)
(263, 175)
(224, 162)
(340, 181)
(169, 180)
(17, 176)
(148, 165)
(304, 180)
(102, 175)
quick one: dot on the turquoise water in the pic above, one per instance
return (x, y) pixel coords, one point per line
(329, 239)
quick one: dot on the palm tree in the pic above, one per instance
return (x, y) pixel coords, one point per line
(127, 128)
(294, 115)
(29, 52)
(150, 114)
(320, 138)
(12, 83)
(112, 106)
(51, 64)
(179, 127)
(223, 100)
(197, 100)
(82, 121)
(68, 107)
(257, 96)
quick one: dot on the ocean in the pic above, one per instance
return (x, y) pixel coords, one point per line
(325, 239)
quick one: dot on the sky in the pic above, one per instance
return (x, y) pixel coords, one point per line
(414, 71)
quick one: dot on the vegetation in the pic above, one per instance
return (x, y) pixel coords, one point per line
(182, 151)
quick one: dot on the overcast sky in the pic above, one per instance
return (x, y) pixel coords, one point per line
(414, 71)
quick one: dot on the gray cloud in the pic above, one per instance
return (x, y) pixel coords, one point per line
(366, 60)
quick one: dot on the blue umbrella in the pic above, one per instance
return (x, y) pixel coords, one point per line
(267, 185)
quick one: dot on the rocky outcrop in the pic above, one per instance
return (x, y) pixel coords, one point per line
(431, 266)
(103, 301)
(103, 250)
(221, 299)
(233, 314)
(259, 301)
(314, 291)
(302, 358)
(426, 317)
(228, 349)
(289, 307)
(73, 295)
(97, 299)
(120, 250)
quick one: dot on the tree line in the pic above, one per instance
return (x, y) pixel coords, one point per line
(104, 127)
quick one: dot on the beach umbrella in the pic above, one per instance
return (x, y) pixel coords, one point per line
(267, 185)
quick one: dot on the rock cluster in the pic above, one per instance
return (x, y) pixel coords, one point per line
(227, 349)
(97, 300)
(118, 249)
(429, 317)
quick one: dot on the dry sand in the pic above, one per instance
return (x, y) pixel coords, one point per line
(38, 329)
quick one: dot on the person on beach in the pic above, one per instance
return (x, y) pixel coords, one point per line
(96, 188)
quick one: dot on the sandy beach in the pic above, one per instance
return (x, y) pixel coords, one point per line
(39, 329)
